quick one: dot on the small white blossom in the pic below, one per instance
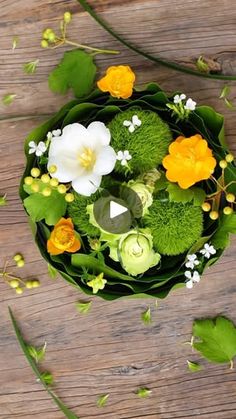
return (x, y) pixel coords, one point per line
(56, 132)
(38, 149)
(123, 157)
(179, 98)
(208, 250)
(192, 261)
(192, 278)
(190, 105)
(133, 124)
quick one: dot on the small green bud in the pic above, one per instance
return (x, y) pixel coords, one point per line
(67, 17)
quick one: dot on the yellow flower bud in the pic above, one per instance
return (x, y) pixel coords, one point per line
(230, 197)
(28, 180)
(223, 164)
(227, 210)
(44, 43)
(61, 189)
(67, 17)
(35, 283)
(35, 172)
(21, 263)
(214, 215)
(35, 187)
(14, 283)
(229, 158)
(17, 257)
(206, 206)
(54, 181)
(45, 178)
(52, 169)
(69, 197)
(47, 191)
(19, 290)
(29, 284)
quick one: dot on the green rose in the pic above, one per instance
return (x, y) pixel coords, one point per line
(134, 250)
(144, 193)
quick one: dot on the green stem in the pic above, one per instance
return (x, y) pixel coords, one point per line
(158, 60)
(97, 50)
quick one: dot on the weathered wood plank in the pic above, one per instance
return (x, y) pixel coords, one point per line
(109, 350)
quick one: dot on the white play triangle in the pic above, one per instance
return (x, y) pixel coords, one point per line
(116, 209)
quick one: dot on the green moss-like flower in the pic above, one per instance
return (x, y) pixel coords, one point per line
(147, 145)
(175, 226)
(135, 251)
(77, 210)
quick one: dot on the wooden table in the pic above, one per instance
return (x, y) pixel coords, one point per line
(109, 350)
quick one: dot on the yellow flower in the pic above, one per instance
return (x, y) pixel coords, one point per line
(63, 238)
(98, 283)
(189, 161)
(118, 81)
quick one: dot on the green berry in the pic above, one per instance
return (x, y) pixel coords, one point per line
(35, 172)
(61, 189)
(35, 283)
(44, 43)
(14, 283)
(17, 257)
(52, 169)
(67, 17)
(229, 158)
(28, 180)
(227, 210)
(69, 197)
(19, 290)
(206, 206)
(45, 178)
(51, 37)
(230, 197)
(223, 164)
(54, 182)
(46, 191)
(35, 187)
(28, 284)
(214, 215)
(21, 263)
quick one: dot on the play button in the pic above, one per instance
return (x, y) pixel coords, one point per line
(116, 209)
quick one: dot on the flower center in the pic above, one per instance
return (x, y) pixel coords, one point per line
(64, 237)
(137, 250)
(87, 158)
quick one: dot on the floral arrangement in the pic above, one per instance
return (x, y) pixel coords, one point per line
(162, 159)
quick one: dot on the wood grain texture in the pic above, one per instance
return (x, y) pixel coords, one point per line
(109, 350)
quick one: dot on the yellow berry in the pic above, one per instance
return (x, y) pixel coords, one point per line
(229, 158)
(54, 181)
(67, 17)
(21, 263)
(47, 191)
(14, 283)
(45, 178)
(44, 43)
(69, 197)
(223, 164)
(35, 172)
(19, 290)
(28, 180)
(52, 168)
(227, 210)
(17, 257)
(230, 197)
(206, 206)
(214, 215)
(61, 189)
(51, 37)
(46, 33)
(35, 283)
(29, 284)
(35, 187)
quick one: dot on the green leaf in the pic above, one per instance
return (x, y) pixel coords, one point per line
(146, 316)
(194, 366)
(37, 354)
(216, 339)
(30, 67)
(47, 378)
(15, 42)
(161, 183)
(3, 200)
(178, 194)
(52, 272)
(143, 392)
(51, 208)
(202, 65)
(227, 225)
(102, 400)
(83, 306)
(77, 71)
(8, 99)
(67, 412)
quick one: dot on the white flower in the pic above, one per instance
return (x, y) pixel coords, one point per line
(56, 132)
(192, 261)
(133, 124)
(38, 149)
(82, 155)
(208, 250)
(123, 157)
(192, 278)
(179, 98)
(190, 105)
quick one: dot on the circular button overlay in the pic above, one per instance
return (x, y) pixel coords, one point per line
(116, 210)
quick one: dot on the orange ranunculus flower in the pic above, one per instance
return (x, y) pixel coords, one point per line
(63, 238)
(118, 81)
(190, 160)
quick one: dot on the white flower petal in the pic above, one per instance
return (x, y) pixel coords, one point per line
(86, 185)
(196, 277)
(100, 132)
(105, 161)
(32, 144)
(127, 156)
(190, 105)
(56, 132)
(188, 274)
(136, 121)
(189, 284)
(120, 155)
(32, 150)
(124, 162)
(38, 152)
(177, 99)
(131, 128)
(127, 123)
(182, 96)
(189, 265)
